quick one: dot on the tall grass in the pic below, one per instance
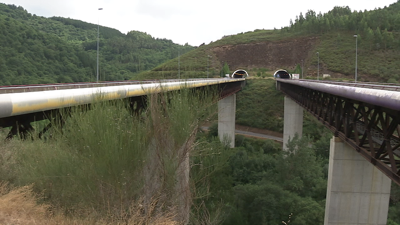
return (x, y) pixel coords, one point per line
(18, 206)
(110, 163)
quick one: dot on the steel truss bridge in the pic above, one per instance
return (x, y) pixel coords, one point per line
(365, 116)
(22, 105)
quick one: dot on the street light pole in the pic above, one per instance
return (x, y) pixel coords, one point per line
(208, 57)
(302, 67)
(318, 64)
(98, 40)
(179, 63)
(356, 58)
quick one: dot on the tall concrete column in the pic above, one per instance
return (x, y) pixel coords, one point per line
(293, 120)
(358, 193)
(226, 120)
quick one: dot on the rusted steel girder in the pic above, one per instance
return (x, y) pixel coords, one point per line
(371, 130)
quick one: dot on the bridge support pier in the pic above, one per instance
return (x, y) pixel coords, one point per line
(226, 120)
(358, 193)
(293, 120)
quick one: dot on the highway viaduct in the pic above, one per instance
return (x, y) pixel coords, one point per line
(364, 119)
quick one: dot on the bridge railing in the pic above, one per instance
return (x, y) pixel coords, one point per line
(367, 119)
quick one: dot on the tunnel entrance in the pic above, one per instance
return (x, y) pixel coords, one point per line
(240, 74)
(282, 74)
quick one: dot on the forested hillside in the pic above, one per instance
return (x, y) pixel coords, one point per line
(294, 47)
(378, 39)
(35, 49)
(57, 49)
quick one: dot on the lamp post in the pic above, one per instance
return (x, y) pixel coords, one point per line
(208, 57)
(179, 63)
(318, 64)
(302, 67)
(356, 58)
(98, 40)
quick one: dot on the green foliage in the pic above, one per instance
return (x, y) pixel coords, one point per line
(336, 45)
(261, 72)
(336, 53)
(379, 26)
(378, 38)
(213, 130)
(94, 160)
(190, 64)
(391, 222)
(57, 50)
(137, 55)
(301, 169)
(225, 70)
(394, 205)
(106, 158)
(98, 158)
(260, 105)
(29, 56)
(297, 70)
(106, 32)
(268, 203)
(210, 173)
(269, 184)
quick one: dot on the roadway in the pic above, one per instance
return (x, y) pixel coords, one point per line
(253, 134)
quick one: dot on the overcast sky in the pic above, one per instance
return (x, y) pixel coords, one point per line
(185, 21)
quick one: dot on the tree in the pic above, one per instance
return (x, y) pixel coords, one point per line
(301, 172)
(225, 70)
(369, 36)
(378, 38)
(297, 69)
(269, 186)
(388, 39)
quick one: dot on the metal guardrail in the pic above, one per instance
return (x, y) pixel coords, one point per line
(379, 95)
(372, 85)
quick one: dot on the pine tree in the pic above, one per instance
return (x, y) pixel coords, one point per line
(225, 70)
(378, 37)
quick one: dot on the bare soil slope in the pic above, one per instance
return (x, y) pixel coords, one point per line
(271, 54)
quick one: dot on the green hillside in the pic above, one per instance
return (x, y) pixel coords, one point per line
(35, 49)
(295, 46)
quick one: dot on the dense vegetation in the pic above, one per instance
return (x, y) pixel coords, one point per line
(378, 39)
(106, 162)
(91, 169)
(269, 111)
(378, 26)
(378, 36)
(266, 185)
(35, 49)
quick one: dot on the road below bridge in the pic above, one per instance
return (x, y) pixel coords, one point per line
(254, 132)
